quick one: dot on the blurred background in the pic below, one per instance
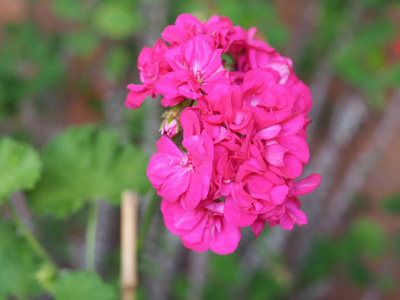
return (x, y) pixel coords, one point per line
(67, 62)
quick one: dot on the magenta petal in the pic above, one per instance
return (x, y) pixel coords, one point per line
(198, 53)
(296, 146)
(274, 155)
(235, 214)
(196, 234)
(191, 198)
(202, 245)
(307, 185)
(269, 132)
(175, 185)
(286, 222)
(165, 145)
(137, 95)
(257, 227)
(227, 239)
(298, 216)
(278, 194)
(292, 125)
(178, 220)
(173, 34)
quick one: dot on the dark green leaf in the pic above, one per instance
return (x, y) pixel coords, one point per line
(365, 237)
(358, 272)
(81, 42)
(71, 10)
(391, 204)
(20, 167)
(87, 164)
(82, 285)
(116, 20)
(18, 265)
(117, 62)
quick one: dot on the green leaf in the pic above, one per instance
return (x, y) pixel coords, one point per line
(365, 237)
(358, 272)
(322, 260)
(116, 64)
(391, 204)
(87, 164)
(116, 20)
(70, 10)
(20, 167)
(81, 42)
(18, 265)
(82, 285)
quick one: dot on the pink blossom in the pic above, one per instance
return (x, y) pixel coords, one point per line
(196, 69)
(182, 177)
(289, 213)
(151, 64)
(202, 228)
(243, 120)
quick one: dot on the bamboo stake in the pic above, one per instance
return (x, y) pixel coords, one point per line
(129, 225)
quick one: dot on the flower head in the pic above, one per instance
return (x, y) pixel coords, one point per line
(239, 115)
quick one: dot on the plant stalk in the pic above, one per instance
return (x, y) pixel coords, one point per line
(91, 230)
(144, 226)
(29, 237)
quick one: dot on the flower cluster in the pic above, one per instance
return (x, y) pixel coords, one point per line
(241, 116)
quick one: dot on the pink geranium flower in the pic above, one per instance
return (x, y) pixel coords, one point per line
(151, 64)
(182, 177)
(196, 69)
(238, 121)
(202, 228)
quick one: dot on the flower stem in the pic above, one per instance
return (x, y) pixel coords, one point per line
(91, 237)
(147, 220)
(29, 237)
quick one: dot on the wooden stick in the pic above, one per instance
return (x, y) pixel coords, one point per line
(129, 226)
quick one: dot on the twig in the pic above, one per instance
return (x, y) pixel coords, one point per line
(129, 225)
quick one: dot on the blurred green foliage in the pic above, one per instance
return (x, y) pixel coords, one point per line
(94, 166)
(18, 265)
(363, 241)
(20, 167)
(391, 204)
(82, 285)
(30, 64)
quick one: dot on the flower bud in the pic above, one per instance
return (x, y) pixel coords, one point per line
(170, 127)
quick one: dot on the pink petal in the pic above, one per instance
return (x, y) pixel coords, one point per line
(257, 227)
(191, 198)
(137, 95)
(307, 185)
(274, 155)
(165, 145)
(293, 125)
(286, 222)
(296, 146)
(198, 53)
(269, 132)
(227, 239)
(175, 185)
(235, 214)
(278, 194)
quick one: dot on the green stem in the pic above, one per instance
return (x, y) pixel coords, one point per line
(29, 237)
(151, 207)
(91, 237)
